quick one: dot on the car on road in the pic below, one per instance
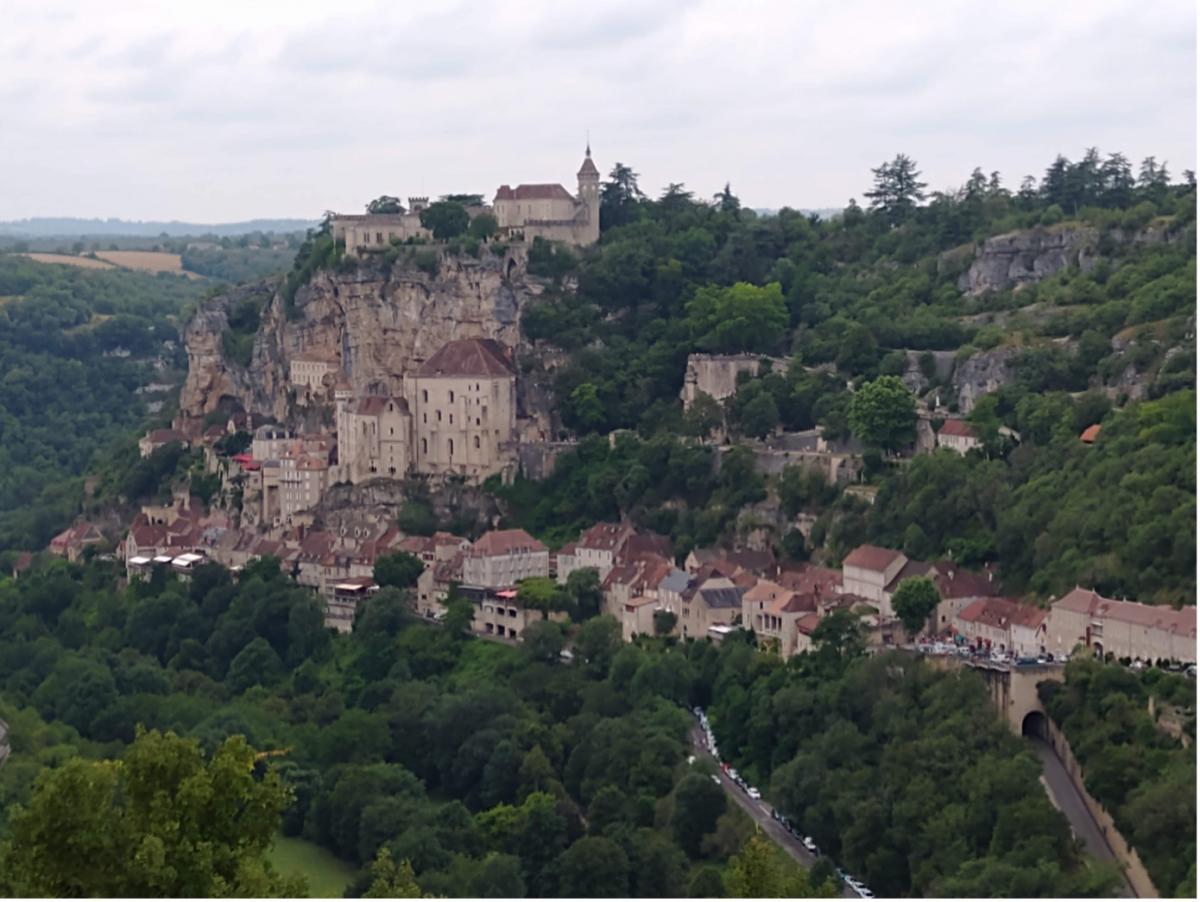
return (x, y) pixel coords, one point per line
(753, 793)
(715, 779)
(691, 759)
(809, 844)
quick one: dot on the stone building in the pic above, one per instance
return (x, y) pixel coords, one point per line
(549, 211)
(456, 416)
(502, 558)
(958, 436)
(716, 375)
(1126, 629)
(307, 371)
(525, 212)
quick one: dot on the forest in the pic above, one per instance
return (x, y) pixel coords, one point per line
(1142, 774)
(489, 769)
(75, 347)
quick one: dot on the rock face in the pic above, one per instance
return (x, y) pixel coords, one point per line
(378, 320)
(1019, 258)
(981, 373)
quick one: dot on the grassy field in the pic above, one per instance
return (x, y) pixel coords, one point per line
(149, 261)
(327, 876)
(69, 260)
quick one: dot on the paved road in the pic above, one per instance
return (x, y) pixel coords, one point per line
(760, 812)
(1067, 800)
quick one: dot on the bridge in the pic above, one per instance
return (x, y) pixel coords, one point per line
(1012, 688)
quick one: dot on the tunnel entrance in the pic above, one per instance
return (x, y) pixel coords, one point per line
(1034, 726)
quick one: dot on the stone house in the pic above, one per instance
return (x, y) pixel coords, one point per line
(502, 558)
(1003, 624)
(711, 599)
(958, 436)
(71, 541)
(1125, 629)
(307, 371)
(868, 571)
(158, 438)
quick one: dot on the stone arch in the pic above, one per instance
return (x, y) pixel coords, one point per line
(508, 270)
(1034, 726)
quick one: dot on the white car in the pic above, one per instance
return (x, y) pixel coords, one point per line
(715, 779)
(810, 845)
(691, 759)
(864, 893)
(753, 793)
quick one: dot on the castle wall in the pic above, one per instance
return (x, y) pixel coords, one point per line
(716, 375)
(462, 424)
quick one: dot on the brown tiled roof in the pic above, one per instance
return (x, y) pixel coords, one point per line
(373, 405)
(958, 428)
(809, 578)
(534, 192)
(1090, 434)
(910, 569)
(588, 167)
(795, 603)
(760, 561)
(505, 541)
(871, 557)
(1001, 613)
(468, 357)
(808, 623)
(166, 436)
(1161, 617)
(955, 582)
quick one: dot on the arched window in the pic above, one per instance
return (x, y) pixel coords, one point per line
(424, 446)
(424, 394)
(476, 441)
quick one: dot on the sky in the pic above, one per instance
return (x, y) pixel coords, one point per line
(216, 111)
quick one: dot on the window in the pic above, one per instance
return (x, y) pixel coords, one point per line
(477, 421)
(450, 445)
(451, 419)
(379, 237)
(424, 394)
(424, 446)
(439, 416)
(476, 441)
(451, 397)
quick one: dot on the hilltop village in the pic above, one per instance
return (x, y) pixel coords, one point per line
(385, 383)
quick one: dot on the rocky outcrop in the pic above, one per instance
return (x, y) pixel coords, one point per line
(378, 319)
(983, 372)
(1019, 258)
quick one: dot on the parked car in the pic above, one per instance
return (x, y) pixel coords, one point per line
(715, 779)
(753, 793)
(865, 893)
(809, 844)
(691, 759)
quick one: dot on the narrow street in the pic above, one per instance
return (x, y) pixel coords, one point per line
(760, 812)
(1066, 799)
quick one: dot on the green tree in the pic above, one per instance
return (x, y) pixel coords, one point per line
(914, 601)
(583, 588)
(698, 804)
(162, 822)
(541, 593)
(390, 880)
(664, 622)
(543, 640)
(257, 664)
(703, 417)
(445, 219)
(598, 642)
(593, 867)
(585, 410)
(883, 414)
(399, 569)
(897, 190)
(483, 227)
(760, 416)
(742, 317)
(758, 871)
(384, 204)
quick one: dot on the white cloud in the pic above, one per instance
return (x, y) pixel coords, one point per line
(225, 110)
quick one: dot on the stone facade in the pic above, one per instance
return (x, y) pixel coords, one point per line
(1126, 629)
(716, 375)
(308, 371)
(502, 558)
(456, 414)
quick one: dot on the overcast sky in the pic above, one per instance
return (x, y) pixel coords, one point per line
(213, 111)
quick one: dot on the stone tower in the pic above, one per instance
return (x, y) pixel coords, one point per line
(589, 195)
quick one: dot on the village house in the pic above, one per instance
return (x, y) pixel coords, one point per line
(873, 574)
(307, 371)
(1004, 625)
(869, 571)
(605, 545)
(1124, 629)
(160, 438)
(71, 542)
(502, 558)
(958, 436)
(711, 599)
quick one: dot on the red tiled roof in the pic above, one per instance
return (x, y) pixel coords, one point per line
(1090, 434)
(955, 582)
(505, 541)
(957, 428)
(604, 537)
(808, 623)
(373, 405)
(165, 436)
(871, 557)
(1161, 617)
(1002, 613)
(468, 357)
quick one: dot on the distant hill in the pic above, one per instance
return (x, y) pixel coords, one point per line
(72, 227)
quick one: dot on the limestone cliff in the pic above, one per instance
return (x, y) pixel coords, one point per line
(1019, 258)
(379, 319)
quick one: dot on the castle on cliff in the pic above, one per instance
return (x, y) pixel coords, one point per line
(522, 213)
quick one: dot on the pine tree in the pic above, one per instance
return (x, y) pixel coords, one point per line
(897, 190)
